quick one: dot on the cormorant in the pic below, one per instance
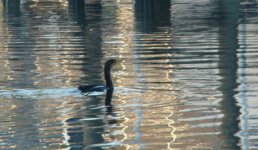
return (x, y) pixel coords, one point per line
(108, 78)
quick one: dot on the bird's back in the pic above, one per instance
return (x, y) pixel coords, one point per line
(92, 88)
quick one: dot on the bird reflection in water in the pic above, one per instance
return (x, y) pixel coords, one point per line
(108, 100)
(88, 130)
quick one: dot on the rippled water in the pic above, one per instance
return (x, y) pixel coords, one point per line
(188, 79)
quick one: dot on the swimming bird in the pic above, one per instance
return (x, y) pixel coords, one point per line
(108, 77)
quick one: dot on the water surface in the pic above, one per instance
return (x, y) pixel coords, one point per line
(188, 79)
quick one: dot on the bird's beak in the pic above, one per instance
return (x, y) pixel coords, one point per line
(119, 64)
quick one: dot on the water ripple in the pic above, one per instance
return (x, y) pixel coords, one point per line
(188, 78)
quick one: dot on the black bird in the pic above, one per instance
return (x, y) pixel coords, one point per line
(99, 88)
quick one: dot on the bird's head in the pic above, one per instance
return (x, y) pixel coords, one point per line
(111, 62)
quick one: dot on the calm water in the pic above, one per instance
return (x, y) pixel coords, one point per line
(188, 80)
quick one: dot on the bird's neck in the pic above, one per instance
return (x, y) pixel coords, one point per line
(108, 77)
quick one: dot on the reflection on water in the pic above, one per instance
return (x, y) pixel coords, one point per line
(188, 79)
